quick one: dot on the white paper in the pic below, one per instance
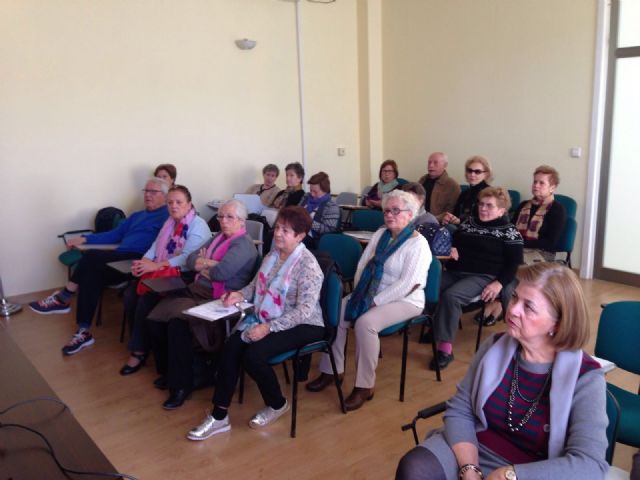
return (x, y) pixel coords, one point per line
(215, 310)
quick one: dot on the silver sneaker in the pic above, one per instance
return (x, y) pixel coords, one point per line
(209, 427)
(268, 415)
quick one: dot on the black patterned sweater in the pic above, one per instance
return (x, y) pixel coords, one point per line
(493, 248)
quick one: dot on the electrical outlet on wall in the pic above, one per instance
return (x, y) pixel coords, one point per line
(341, 151)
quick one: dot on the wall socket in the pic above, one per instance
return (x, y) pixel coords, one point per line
(341, 151)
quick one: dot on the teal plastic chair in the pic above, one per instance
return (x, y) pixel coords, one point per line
(345, 251)
(515, 201)
(617, 341)
(369, 220)
(432, 295)
(567, 239)
(332, 297)
(569, 204)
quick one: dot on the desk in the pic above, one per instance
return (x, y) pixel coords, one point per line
(363, 236)
(23, 455)
(349, 209)
(97, 246)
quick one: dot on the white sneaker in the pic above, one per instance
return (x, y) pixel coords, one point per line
(268, 415)
(209, 427)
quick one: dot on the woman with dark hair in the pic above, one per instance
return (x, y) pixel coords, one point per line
(541, 220)
(167, 172)
(388, 176)
(532, 404)
(183, 232)
(292, 195)
(486, 252)
(267, 190)
(285, 294)
(324, 211)
(477, 171)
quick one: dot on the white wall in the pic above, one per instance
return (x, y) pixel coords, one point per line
(95, 94)
(508, 79)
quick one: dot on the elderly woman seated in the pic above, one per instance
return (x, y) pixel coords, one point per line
(477, 171)
(532, 404)
(224, 262)
(285, 294)
(390, 279)
(388, 176)
(324, 211)
(486, 252)
(267, 190)
(183, 233)
(541, 220)
(292, 195)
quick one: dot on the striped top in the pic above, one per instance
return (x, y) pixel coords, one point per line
(530, 443)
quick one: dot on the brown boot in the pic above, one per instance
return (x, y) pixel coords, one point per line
(322, 382)
(357, 398)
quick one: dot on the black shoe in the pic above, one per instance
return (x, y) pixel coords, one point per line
(128, 370)
(444, 359)
(490, 321)
(161, 382)
(176, 398)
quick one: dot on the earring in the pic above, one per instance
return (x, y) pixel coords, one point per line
(552, 333)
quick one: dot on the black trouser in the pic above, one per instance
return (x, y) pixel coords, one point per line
(255, 361)
(92, 274)
(137, 308)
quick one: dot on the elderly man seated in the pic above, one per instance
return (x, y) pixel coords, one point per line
(133, 236)
(442, 191)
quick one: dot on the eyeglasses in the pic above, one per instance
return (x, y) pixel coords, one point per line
(226, 217)
(394, 211)
(473, 170)
(488, 206)
(388, 170)
(149, 190)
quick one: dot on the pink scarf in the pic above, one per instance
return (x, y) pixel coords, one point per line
(216, 251)
(172, 237)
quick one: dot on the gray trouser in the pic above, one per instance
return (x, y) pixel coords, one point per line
(366, 330)
(457, 290)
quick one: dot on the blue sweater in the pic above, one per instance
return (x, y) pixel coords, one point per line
(136, 233)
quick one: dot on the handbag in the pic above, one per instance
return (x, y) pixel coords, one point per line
(142, 289)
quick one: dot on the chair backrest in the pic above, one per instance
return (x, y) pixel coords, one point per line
(464, 187)
(613, 414)
(619, 335)
(332, 299)
(369, 220)
(366, 189)
(344, 250)
(256, 232)
(347, 198)
(568, 203)
(515, 200)
(432, 289)
(568, 237)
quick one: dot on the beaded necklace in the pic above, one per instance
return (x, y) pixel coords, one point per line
(515, 389)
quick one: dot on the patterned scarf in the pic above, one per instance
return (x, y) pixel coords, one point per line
(528, 226)
(269, 298)
(312, 204)
(367, 287)
(172, 237)
(216, 251)
(386, 187)
(282, 197)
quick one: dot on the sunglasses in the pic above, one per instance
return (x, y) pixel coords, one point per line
(473, 170)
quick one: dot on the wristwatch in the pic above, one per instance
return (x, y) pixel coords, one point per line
(510, 474)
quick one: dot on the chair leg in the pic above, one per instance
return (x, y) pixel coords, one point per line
(403, 368)
(124, 325)
(480, 325)
(434, 348)
(241, 386)
(99, 311)
(336, 380)
(286, 372)
(294, 397)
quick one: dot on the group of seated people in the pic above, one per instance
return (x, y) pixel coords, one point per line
(488, 428)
